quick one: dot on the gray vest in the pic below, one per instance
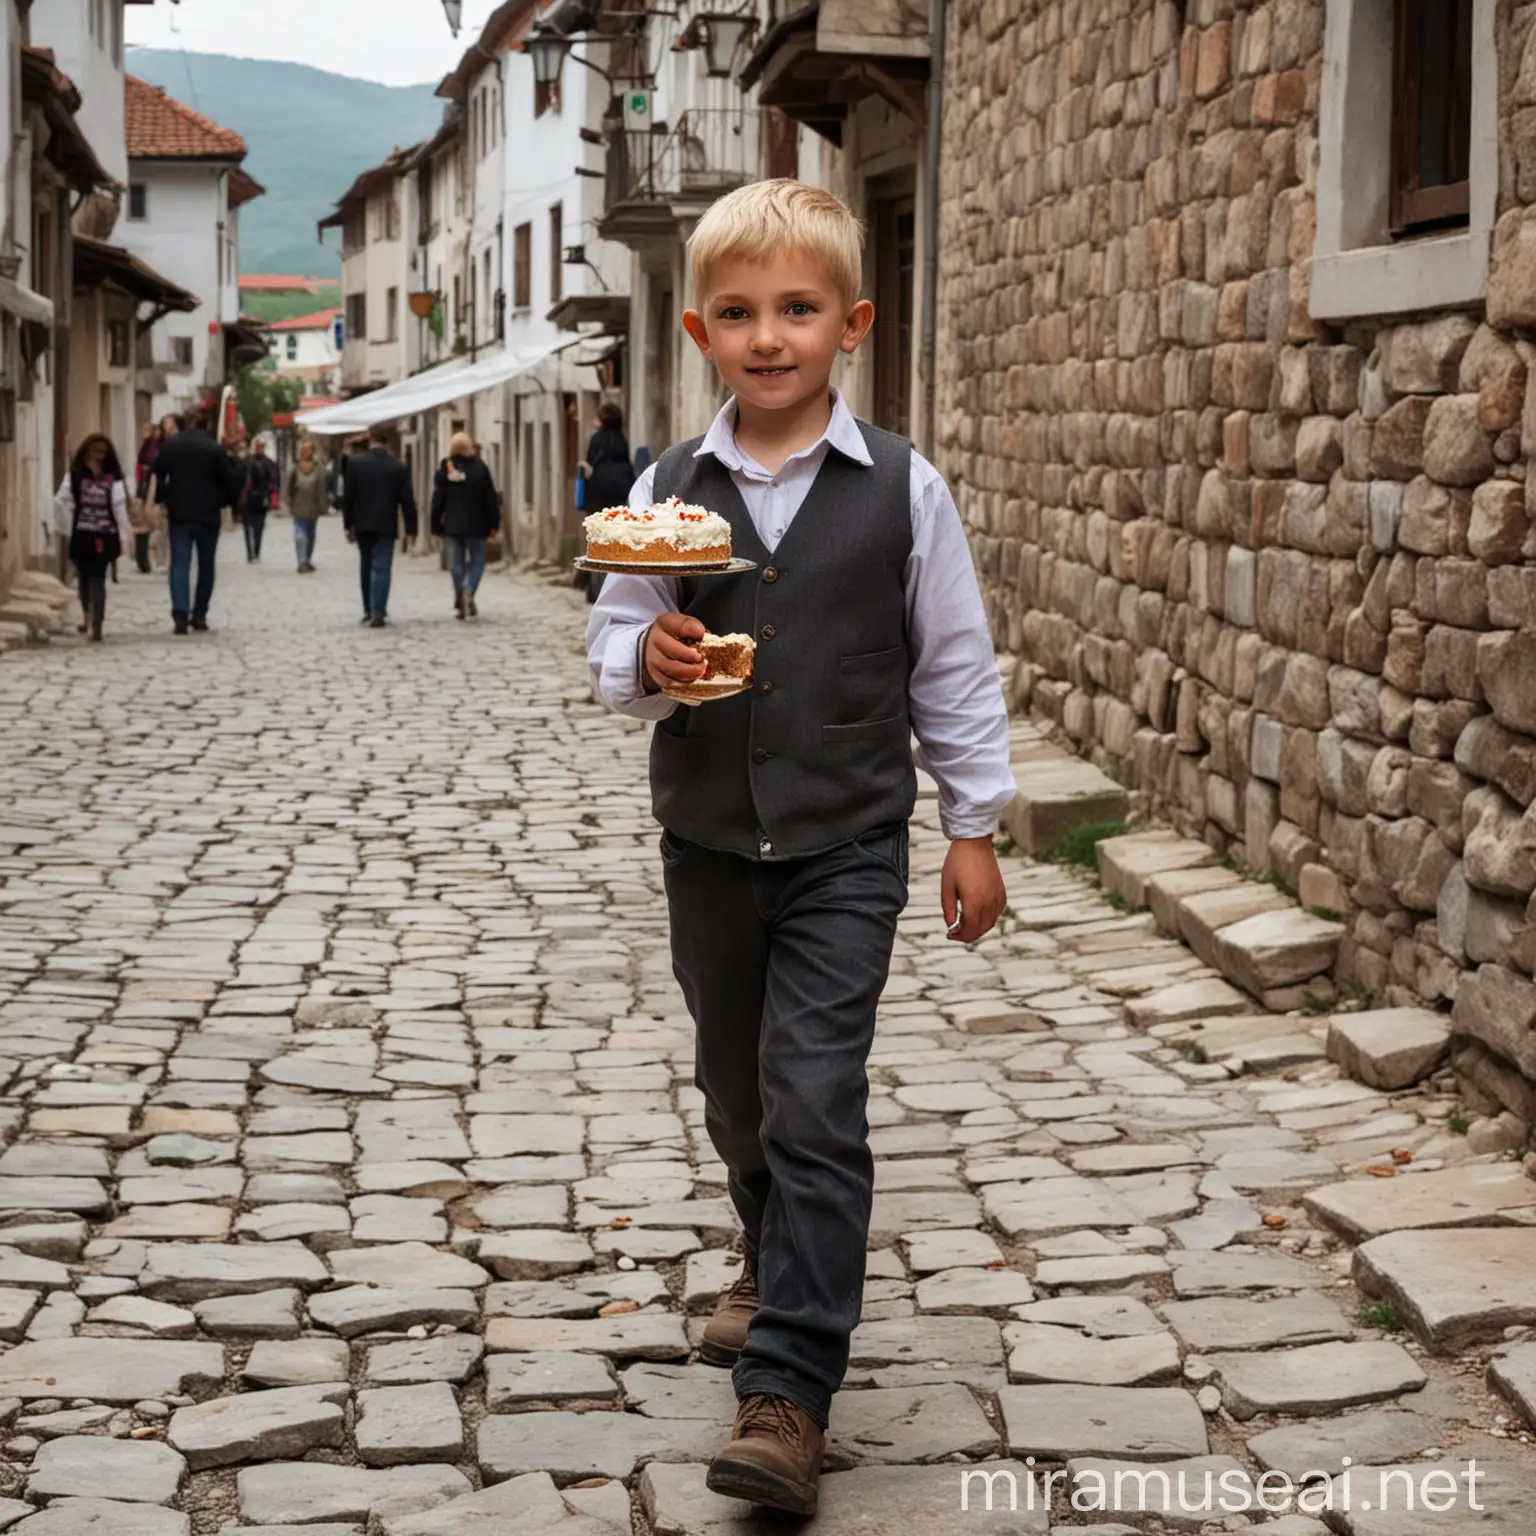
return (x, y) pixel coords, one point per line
(819, 751)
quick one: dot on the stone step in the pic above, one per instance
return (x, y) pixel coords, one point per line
(1254, 934)
(1058, 794)
(1389, 1048)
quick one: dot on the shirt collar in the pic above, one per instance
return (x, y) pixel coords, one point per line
(842, 434)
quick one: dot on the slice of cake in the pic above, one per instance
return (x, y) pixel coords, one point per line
(727, 657)
(665, 533)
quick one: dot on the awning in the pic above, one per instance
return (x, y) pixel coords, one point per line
(24, 304)
(437, 386)
(98, 264)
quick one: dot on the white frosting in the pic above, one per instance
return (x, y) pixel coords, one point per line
(743, 640)
(670, 522)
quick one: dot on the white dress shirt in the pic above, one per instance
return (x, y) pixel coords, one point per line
(954, 696)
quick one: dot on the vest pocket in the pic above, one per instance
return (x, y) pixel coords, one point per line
(872, 661)
(865, 736)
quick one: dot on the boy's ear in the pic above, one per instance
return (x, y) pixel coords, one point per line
(860, 318)
(693, 323)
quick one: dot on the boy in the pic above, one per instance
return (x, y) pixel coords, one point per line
(785, 808)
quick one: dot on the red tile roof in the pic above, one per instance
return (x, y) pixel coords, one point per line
(281, 282)
(321, 320)
(158, 127)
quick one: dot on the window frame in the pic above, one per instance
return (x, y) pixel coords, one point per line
(1414, 208)
(522, 267)
(556, 253)
(138, 190)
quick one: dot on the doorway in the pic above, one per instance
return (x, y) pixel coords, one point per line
(895, 226)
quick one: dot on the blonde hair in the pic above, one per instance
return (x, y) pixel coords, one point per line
(462, 444)
(757, 221)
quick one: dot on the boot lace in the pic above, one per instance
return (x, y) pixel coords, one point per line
(775, 1416)
(744, 1287)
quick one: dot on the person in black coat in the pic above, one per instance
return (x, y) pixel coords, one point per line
(466, 511)
(261, 483)
(610, 472)
(376, 496)
(195, 479)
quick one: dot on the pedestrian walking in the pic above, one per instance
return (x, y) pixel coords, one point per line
(609, 472)
(91, 511)
(308, 496)
(376, 497)
(140, 510)
(261, 495)
(466, 511)
(785, 807)
(159, 538)
(195, 479)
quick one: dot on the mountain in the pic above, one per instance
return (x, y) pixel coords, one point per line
(309, 133)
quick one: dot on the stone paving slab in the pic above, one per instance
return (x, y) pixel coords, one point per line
(1057, 1422)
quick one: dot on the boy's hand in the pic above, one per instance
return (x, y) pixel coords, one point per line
(669, 653)
(972, 889)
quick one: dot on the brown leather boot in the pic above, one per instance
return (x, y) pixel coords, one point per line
(726, 1331)
(774, 1457)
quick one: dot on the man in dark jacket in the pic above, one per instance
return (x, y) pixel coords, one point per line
(195, 480)
(466, 511)
(376, 496)
(261, 481)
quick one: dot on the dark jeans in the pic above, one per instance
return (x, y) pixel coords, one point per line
(376, 558)
(466, 561)
(304, 538)
(91, 578)
(782, 966)
(185, 537)
(255, 526)
(141, 552)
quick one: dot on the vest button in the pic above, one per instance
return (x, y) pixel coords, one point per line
(770, 575)
(760, 755)
(765, 687)
(769, 631)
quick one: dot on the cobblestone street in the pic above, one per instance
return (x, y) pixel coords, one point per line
(354, 1178)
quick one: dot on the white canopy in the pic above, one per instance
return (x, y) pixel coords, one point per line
(437, 386)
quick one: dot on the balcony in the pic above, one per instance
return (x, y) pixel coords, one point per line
(659, 178)
(818, 62)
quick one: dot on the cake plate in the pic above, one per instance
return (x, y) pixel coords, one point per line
(666, 567)
(707, 692)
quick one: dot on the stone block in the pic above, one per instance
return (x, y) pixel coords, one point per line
(1126, 863)
(1058, 795)
(1500, 849)
(1457, 450)
(1261, 815)
(1469, 1195)
(1512, 274)
(1456, 1289)
(1497, 1006)
(1499, 525)
(1389, 1048)
(1425, 359)
(1397, 445)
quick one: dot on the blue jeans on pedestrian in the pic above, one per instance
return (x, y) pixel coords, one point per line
(304, 538)
(376, 558)
(185, 537)
(255, 526)
(467, 560)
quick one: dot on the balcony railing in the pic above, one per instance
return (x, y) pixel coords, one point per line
(706, 152)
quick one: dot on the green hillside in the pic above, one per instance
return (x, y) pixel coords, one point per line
(309, 134)
(287, 306)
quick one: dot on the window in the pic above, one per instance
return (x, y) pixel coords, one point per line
(357, 317)
(1408, 156)
(527, 463)
(181, 351)
(354, 229)
(117, 343)
(556, 253)
(291, 347)
(486, 287)
(392, 318)
(522, 267)
(546, 98)
(458, 302)
(138, 200)
(1432, 114)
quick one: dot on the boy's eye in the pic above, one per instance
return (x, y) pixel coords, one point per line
(733, 312)
(800, 309)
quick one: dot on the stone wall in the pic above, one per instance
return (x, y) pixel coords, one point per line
(1274, 575)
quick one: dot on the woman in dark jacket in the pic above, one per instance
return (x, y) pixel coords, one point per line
(609, 470)
(466, 511)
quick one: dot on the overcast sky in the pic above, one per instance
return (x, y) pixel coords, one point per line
(399, 42)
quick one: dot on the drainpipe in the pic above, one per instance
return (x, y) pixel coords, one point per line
(937, 28)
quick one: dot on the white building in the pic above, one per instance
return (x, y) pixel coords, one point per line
(186, 185)
(371, 215)
(304, 347)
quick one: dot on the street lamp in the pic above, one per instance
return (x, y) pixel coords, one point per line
(724, 34)
(546, 50)
(454, 11)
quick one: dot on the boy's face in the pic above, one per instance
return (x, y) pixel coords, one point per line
(774, 328)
